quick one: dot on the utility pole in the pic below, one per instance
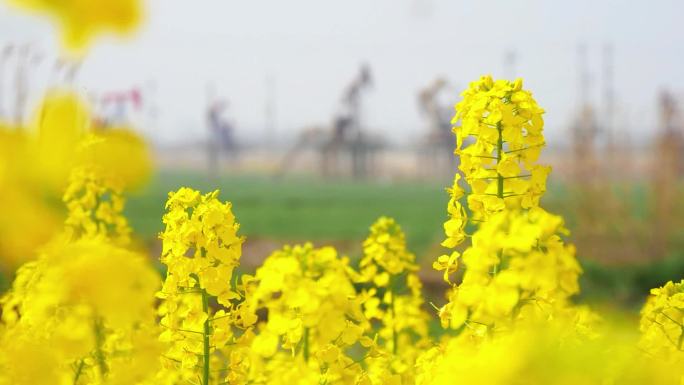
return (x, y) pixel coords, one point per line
(270, 112)
(608, 95)
(510, 61)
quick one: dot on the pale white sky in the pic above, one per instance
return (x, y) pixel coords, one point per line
(311, 48)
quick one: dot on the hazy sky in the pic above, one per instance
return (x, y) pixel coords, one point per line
(312, 48)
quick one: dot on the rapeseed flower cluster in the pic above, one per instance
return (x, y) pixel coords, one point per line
(304, 314)
(516, 264)
(662, 323)
(200, 249)
(83, 312)
(394, 302)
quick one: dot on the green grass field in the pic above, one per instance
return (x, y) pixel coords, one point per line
(300, 209)
(273, 212)
(336, 212)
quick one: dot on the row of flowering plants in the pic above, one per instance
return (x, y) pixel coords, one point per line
(91, 309)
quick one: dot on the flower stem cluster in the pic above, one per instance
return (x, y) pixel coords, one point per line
(312, 316)
(200, 250)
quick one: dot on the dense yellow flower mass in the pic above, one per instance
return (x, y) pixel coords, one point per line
(61, 150)
(80, 21)
(516, 265)
(313, 315)
(662, 323)
(499, 136)
(83, 312)
(498, 142)
(92, 311)
(538, 354)
(200, 249)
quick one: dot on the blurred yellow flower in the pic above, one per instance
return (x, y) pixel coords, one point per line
(662, 323)
(36, 165)
(80, 21)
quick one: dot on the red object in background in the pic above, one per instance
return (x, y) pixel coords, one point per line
(117, 97)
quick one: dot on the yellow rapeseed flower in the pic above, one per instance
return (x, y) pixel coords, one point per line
(516, 265)
(80, 21)
(662, 323)
(201, 248)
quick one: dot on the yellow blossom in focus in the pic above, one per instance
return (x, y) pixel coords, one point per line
(200, 249)
(517, 265)
(314, 313)
(498, 127)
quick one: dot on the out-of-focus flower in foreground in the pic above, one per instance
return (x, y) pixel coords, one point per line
(36, 164)
(80, 21)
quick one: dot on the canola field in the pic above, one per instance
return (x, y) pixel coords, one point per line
(86, 304)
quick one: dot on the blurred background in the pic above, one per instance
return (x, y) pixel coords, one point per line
(314, 118)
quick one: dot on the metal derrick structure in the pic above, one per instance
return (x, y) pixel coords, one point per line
(344, 147)
(436, 149)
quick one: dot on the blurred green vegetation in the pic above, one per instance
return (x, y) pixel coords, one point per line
(627, 286)
(300, 208)
(296, 209)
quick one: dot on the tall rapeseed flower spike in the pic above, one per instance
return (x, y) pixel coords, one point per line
(200, 249)
(517, 265)
(394, 300)
(498, 127)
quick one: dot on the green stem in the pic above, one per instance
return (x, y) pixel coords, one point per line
(306, 344)
(79, 370)
(525, 148)
(394, 323)
(205, 337)
(499, 180)
(99, 341)
(499, 153)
